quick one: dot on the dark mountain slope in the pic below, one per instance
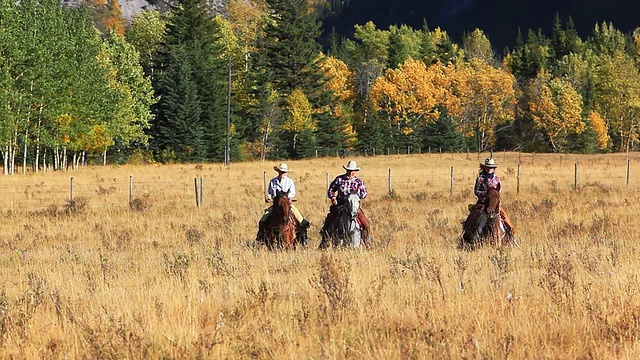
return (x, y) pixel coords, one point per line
(499, 19)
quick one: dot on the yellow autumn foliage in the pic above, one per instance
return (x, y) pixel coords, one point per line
(600, 128)
(486, 99)
(411, 94)
(339, 77)
(555, 109)
(299, 118)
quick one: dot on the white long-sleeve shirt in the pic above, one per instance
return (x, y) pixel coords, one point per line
(283, 185)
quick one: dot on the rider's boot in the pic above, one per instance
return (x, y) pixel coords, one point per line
(259, 238)
(302, 237)
(325, 240)
(304, 224)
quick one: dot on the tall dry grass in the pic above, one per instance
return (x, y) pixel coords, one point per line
(94, 279)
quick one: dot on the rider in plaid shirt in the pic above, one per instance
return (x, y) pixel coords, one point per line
(338, 192)
(488, 179)
(343, 186)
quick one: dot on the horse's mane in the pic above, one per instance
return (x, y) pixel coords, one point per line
(281, 207)
(493, 196)
(344, 215)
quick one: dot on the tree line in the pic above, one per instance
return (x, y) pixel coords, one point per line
(78, 83)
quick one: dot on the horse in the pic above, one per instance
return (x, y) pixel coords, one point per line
(345, 231)
(484, 223)
(279, 227)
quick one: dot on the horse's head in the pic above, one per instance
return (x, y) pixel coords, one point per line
(492, 204)
(353, 202)
(281, 205)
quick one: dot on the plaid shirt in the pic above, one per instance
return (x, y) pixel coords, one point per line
(343, 186)
(483, 183)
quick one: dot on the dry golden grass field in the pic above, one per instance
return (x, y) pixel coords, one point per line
(92, 279)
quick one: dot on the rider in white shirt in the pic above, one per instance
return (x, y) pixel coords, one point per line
(283, 183)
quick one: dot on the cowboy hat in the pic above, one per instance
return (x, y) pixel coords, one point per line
(351, 166)
(282, 168)
(489, 163)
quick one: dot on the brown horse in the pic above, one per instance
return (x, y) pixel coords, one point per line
(484, 224)
(279, 227)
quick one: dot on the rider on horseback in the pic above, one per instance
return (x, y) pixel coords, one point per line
(281, 184)
(339, 190)
(488, 179)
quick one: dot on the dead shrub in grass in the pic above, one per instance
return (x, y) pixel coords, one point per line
(545, 207)
(193, 235)
(71, 207)
(422, 268)
(106, 191)
(177, 266)
(421, 196)
(219, 266)
(521, 209)
(559, 281)
(333, 284)
(141, 204)
(391, 196)
(122, 238)
(601, 188)
(76, 206)
(501, 261)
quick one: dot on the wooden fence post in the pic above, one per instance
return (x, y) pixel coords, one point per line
(327, 181)
(71, 191)
(575, 180)
(390, 188)
(518, 181)
(519, 157)
(264, 183)
(195, 183)
(130, 192)
(628, 171)
(451, 186)
(201, 191)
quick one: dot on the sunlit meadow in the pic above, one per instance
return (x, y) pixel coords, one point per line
(154, 276)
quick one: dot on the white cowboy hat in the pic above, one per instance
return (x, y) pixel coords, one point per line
(489, 162)
(351, 166)
(282, 168)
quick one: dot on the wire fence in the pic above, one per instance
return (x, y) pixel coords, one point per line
(518, 171)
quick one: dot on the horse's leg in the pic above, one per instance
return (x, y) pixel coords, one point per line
(366, 227)
(288, 236)
(326, 230)
(356, 234)
(268, 238)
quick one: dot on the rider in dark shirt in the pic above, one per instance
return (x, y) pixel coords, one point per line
(488, 179)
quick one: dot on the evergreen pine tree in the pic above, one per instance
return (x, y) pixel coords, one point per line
(180, 131)
(443, 134)
(558, 39)
(291, 55)
(191, 31)
(586, 142)
(427, 46)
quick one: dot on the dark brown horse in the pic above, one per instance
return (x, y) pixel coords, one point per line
(279, 227)
(484, 224)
